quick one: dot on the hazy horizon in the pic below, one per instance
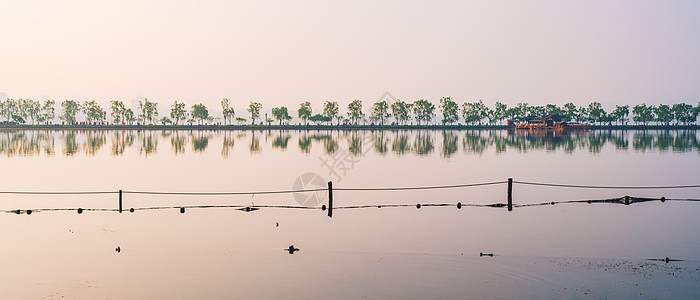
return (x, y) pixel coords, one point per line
(281, 53)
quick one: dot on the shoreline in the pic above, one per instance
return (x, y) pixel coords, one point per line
(329, 127)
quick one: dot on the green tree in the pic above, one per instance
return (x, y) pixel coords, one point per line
(553, 109)
(474, 112)
(48, 111)
(355, 111)
(536, 110)
(318, 118)
(10, 109)
(523, 110)
(596, 113)
(499, 111)
(240, 120)
(70, 111)
(229, 112)
(21, 110)
(330, 110)
(117, 110)
(304, 111)
(93, 112)
(129, 116)
(582, 114)
(512, 113)
(450, 110)
(401, 111)
(683, 113)
(570, 112)
(18, 119)
(178, 112)
(281, 114)
(148, 111)
(32, 109)
(423, 111)
(254, 110)
(642, 113)
(620, 113)
(664, 114)
(380, 111)
(200, 113)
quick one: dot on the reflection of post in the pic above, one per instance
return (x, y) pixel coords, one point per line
(510, 194)
(330, 199)
(120, 201)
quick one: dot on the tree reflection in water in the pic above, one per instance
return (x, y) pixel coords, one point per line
(178, 141)
(304, 143)
(449, 143)
(423, 144)
(148, 142)
(200, 140)
(401, 144)
(94, 141)
(254, 144)
(229, 141)
(121, 140)
(380, 142)
(416, 142)
(27, 143)
(281, 140)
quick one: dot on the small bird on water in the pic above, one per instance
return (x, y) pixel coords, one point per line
(119, 249)
(291, 249)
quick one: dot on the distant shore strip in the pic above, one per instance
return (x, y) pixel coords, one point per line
(322, 127)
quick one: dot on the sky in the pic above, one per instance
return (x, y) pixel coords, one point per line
(285, 52)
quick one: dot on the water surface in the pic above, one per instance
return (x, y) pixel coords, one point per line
(382, 252)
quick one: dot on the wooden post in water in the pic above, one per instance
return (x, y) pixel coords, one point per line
(510, 194)
(330, 199)
(120, 201)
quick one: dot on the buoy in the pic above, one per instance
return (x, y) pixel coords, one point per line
(182, 210)
(80, 210)
(323, 207)
(418, 205)
(131, 209)
(459, 205)
(18, 211)
(379, 206)
(29, 211)
(663, 199)
(589, 201)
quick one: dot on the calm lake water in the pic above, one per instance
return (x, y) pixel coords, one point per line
(562, 250)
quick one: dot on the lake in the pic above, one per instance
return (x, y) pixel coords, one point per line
(217, 250)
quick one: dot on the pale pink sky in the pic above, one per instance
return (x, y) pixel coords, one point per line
(286, 52)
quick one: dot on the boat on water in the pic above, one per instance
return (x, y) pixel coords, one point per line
(548, 122)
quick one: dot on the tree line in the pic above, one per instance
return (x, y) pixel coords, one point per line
(398, 112)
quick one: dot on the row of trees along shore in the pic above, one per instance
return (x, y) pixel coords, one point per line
(422, 112)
